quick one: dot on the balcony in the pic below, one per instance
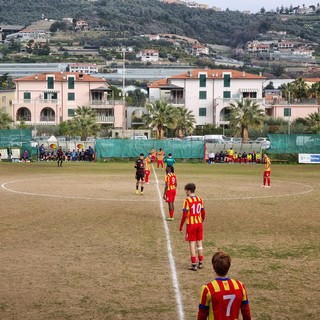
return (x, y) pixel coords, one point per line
(105, 119)
(103, 103)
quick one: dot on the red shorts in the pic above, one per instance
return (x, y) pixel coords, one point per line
(160, 161)
(267, 174)
(171, 195)
(194, 232)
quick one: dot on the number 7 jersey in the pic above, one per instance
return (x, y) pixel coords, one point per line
(223, 298)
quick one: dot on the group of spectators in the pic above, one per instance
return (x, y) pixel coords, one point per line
(234, 157)
(68, 155)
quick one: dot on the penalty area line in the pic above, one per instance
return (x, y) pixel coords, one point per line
(175, 281)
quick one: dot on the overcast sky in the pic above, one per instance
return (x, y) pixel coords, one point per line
(255, 5)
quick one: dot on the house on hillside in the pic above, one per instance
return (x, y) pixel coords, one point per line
(198, 50)
(87, 68)
(49, 98)
(208, 93)
(148, 55)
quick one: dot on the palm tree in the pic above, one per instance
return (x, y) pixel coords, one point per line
(85, 122)
(245, 114)
(160, 116)
(314, 92)
(82, 124)
(5, 120)
(313, 123)
(184, 121)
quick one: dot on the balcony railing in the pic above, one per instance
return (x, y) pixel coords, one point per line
(35, 101)
(105, 102)
(105, 119)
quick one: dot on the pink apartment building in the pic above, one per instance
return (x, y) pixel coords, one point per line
(49, 98)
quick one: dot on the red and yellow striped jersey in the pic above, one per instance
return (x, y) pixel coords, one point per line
(147, 163)
(193, 206)
(223, 297)
(171, 181)
(267, 164)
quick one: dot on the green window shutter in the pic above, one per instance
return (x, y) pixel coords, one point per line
(202, 112)
(71, 112)
(27, 96)
(50, 82)
(254, 95)
(226, 94)
(55, 96)
(287, 112)
(71, 83)
(203, 80)
(71, 96)
(202, 95)
(226, 80)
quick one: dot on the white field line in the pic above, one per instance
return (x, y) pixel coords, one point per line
(175, 281)
(6, 187)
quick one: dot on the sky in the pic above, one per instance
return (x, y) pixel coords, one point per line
(255, 5)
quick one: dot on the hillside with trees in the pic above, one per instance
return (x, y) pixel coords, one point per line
(125, 19)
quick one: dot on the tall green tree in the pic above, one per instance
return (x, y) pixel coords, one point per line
(245, 114)
(83, 124)
(184, 121)
(5, 120)
(313, 123)
(160, 116)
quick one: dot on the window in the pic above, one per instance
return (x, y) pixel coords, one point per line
(226, 94)
(71, 96)
(202, 112)
(50, 96)
(202, 94)
(71, 112)
(287, 112)
(70, 82)
(226, 80)
(26, 96)
(50, 82)
(203, 80)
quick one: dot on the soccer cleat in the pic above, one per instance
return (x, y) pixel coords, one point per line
(141, 193)
(200, 265)
(137, 192)
(193, 268)
(170, 219)
(267, 187)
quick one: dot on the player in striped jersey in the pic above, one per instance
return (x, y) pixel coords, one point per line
(193, 214)
(170, 190)
(223, 298)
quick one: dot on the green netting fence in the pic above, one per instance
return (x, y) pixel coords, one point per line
(14, 141)
(294, 143)
(126, 148)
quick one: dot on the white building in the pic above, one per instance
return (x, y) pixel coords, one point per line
(86, 68)
(148, 55)
(208, 93)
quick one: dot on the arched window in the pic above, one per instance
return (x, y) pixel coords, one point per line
(23, 114)
(47, 114)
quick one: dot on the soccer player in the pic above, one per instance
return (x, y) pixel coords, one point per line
(148, 161)
(223, 298)
(60, 157)
(193, 214)
(170, 190)
(267, 171)
(169, 161)
(230, 155)
(160, 156)
(140, 166)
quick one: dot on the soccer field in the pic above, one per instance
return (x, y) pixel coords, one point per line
(77, 243)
